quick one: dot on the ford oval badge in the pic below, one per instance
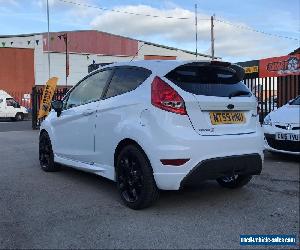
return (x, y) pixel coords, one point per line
(230, 106)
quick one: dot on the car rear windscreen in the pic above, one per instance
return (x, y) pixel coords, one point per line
(210, 80)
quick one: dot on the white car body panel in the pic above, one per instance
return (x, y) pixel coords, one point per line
(161, 134)
(285, 120)
(79, 142)
(287, 114)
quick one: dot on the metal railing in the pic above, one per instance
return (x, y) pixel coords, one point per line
(273, 92)
(36, 96)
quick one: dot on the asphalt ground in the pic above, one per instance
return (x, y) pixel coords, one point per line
(73, 209)
(8, 125)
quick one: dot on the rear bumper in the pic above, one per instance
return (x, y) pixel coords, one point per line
(207, 152)
(212, 169)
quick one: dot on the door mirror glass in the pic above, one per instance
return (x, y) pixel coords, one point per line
(57, 106)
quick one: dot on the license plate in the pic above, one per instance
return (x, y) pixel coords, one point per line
(218, 118)
(287, 137)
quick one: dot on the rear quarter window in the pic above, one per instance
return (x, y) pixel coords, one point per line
(126, 79)
(210, 80)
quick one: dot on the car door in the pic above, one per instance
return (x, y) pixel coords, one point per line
(74, 129)
(117, 106)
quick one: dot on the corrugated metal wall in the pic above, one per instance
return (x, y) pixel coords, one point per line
(92, 42)
(16, 69)
(288, 88)
(158, 57)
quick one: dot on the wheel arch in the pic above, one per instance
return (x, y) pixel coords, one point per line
(43, 131)
(125, 142)
(19, 113)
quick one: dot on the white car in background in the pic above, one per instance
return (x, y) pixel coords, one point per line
(282, 128)
(151, 125)
(10, 108)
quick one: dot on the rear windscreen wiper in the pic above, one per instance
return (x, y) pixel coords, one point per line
(238, 93)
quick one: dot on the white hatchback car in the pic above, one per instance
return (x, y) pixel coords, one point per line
(282, 128)
(151, 125)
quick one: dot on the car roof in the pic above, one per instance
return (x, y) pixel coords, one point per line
(160, 67)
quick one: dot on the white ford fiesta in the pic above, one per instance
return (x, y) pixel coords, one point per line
(151, 125)
(282, 128)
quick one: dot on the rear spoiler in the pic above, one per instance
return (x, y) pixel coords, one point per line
(238, 70)
(220, 63)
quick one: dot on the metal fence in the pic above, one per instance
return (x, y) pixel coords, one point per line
(273, 92)
(36, 96)
(289, 88)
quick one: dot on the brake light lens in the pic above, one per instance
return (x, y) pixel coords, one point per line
(163, 96)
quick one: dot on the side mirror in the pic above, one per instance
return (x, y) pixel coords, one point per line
(57, 106)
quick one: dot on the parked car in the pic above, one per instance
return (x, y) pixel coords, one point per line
(282, 128)
(151, 125)
(9, 108)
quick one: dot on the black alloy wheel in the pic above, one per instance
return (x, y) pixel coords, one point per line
(46, 155)
(135, 179)
(19, 117)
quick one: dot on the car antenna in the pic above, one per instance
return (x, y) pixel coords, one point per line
(137, 52)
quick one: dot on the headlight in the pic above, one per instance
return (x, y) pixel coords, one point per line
(267, 120)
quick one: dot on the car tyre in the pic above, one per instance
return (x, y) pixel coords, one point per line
(46, 155)
(19, 117)
(235, 181)
(135, 180)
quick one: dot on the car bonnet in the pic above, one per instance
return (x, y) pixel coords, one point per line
(286, 114)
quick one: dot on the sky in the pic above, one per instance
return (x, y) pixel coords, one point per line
(235, 19)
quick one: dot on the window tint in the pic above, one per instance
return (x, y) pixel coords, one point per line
(126, 79)
(89, 90)
(209, 80)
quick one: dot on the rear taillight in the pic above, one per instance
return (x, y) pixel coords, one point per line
(163, 96)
